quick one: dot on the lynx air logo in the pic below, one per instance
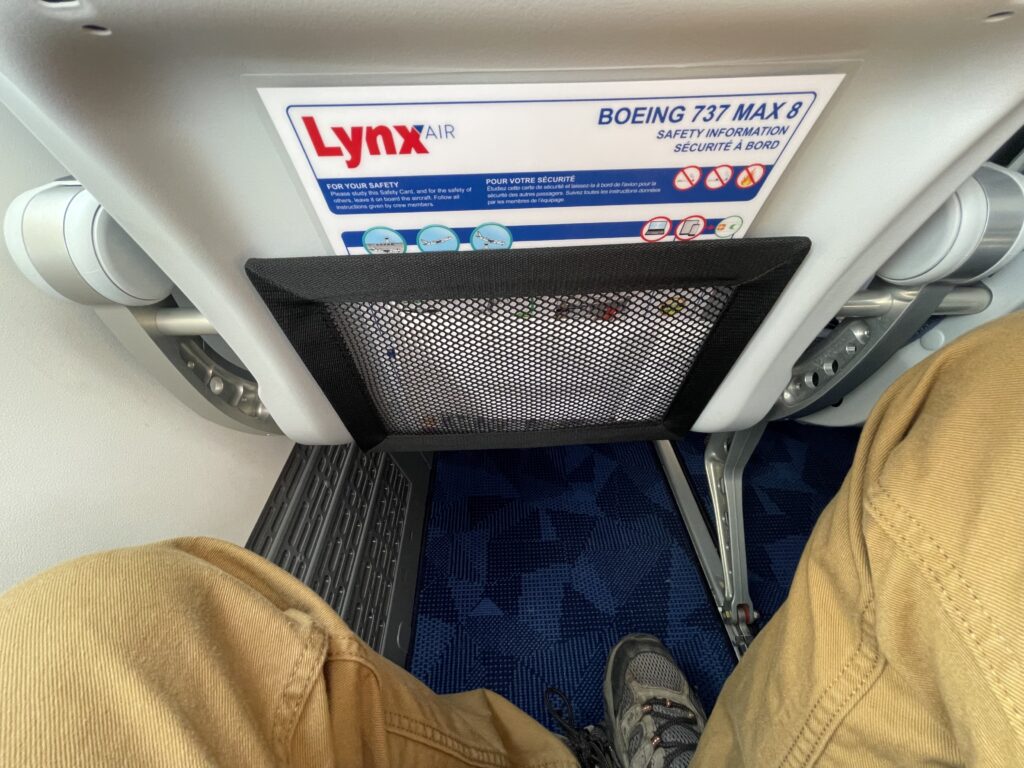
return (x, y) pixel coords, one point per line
(354, 142)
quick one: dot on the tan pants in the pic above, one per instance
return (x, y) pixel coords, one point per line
(899, 643)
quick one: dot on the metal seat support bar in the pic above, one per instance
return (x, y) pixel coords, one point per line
(724, 566)
(693, 518)
(725, 459)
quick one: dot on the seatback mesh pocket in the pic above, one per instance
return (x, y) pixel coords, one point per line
(472, 365)
(527, 346)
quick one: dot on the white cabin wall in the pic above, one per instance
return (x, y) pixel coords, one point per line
(94, 454)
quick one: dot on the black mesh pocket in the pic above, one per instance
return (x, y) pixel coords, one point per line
(525, 347)
(522, 364)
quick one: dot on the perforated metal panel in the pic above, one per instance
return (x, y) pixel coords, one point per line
(348, 524)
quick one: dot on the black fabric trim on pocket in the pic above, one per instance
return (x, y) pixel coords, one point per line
(525, 347)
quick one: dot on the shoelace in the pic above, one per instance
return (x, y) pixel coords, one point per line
(686, 719)
(590, 750)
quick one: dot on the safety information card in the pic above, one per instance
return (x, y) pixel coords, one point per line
(393, 169)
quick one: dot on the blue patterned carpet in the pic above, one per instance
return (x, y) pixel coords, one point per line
(793, 474)
(535, 562)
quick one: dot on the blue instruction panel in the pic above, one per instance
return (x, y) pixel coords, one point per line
(407, 168)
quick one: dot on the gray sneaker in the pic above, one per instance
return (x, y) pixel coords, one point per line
(651, 712)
